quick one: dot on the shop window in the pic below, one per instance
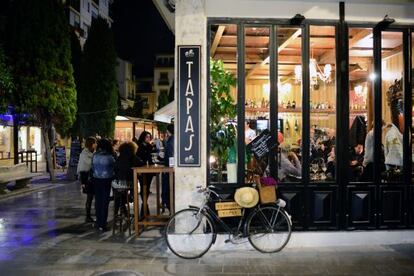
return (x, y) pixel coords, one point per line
(322, 103)
(392, 77)
(289, 49)
(361, 105)
(223, 100)
(412, 107)
(6, 143)
(257, 92)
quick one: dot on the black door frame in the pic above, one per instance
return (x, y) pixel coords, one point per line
(342, 110)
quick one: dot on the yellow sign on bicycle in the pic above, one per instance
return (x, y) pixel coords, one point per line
(229, 213)
(227, 205)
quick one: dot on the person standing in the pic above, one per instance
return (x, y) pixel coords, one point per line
(103, 172)
(169, 152)
(83, 170)
(123, 170)
(144, 153)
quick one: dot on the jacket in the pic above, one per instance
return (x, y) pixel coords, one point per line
(169, 150)
(123, 167)
(103, 165)
(144, 153)
(85, 161)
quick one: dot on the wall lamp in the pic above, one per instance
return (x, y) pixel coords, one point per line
(297, 19)
(385, 22)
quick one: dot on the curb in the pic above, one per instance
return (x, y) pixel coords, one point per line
(28, 190)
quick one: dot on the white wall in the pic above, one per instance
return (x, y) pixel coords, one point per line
(191, 29)
(363, 10)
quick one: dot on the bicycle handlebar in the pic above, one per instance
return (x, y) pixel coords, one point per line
(207, 190)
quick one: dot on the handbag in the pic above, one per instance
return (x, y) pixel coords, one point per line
(119, 184)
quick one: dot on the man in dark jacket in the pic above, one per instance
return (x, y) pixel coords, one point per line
(169, 152)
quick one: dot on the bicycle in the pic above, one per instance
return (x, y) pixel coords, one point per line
(191, 232)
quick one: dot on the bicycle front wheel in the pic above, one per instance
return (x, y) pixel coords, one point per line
(189, 233)
(268, 229)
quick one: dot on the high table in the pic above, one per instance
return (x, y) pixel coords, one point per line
(157, 169)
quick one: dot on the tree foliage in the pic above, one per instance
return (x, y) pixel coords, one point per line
(6, 82)
(223, 110)
(98, 94)
(76, 58)
(39, 49)
(40, 54)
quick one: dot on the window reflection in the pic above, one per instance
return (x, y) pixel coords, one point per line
(223, 100)
(361, 105)
(289, 104)
(392, 106)
(322, 69)
(257, 89)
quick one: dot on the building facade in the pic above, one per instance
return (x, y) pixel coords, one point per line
(126, 83)
(163, 74)
(344, 125)
(82, 12)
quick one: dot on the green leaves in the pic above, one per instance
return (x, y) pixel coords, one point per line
(6, 83)
(223, 111)
(41, 58)
(98, 93)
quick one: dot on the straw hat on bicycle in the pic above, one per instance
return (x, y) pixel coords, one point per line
(246, 197)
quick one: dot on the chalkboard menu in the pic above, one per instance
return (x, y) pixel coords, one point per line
(60, 156)
(261, 145)
(75, 150)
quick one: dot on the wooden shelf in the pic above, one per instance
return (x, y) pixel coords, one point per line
(299, 110)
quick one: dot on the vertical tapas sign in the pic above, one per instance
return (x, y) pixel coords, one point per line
(189, 76)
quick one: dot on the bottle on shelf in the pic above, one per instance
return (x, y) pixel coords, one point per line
(288, 105)
(293, 104)
(296, 125)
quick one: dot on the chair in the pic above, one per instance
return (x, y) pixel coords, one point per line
(119, 216)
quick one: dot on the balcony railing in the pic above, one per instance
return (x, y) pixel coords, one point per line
(75, 4)
(96, 2)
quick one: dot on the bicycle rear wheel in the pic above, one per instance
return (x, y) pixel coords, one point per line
(189, 233)
(268, 229)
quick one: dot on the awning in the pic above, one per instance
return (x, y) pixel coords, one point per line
(120, 118)
(167, 113)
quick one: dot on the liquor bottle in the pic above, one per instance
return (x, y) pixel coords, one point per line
(288, 105)
(296, 125)
(293, 104)
(263, 103)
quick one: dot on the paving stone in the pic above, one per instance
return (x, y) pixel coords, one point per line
(44, 234)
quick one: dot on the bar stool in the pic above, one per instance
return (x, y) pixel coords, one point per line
(121, 193)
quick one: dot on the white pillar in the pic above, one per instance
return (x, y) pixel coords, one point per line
(191, 29)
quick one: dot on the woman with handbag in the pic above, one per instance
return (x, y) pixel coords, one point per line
(103, 172)
(83, 170)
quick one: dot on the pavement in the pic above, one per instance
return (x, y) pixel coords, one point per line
(43, 233)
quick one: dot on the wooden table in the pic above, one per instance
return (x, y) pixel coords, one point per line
(157, 169)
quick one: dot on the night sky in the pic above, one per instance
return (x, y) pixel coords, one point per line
(140, 33)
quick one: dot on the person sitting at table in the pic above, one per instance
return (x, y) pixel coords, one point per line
(144, 153)
(289, 164)
(356, 157)
(123, 170)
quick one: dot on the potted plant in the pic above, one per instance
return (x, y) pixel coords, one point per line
(222, 113)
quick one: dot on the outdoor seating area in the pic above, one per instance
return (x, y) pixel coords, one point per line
(18, 173)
